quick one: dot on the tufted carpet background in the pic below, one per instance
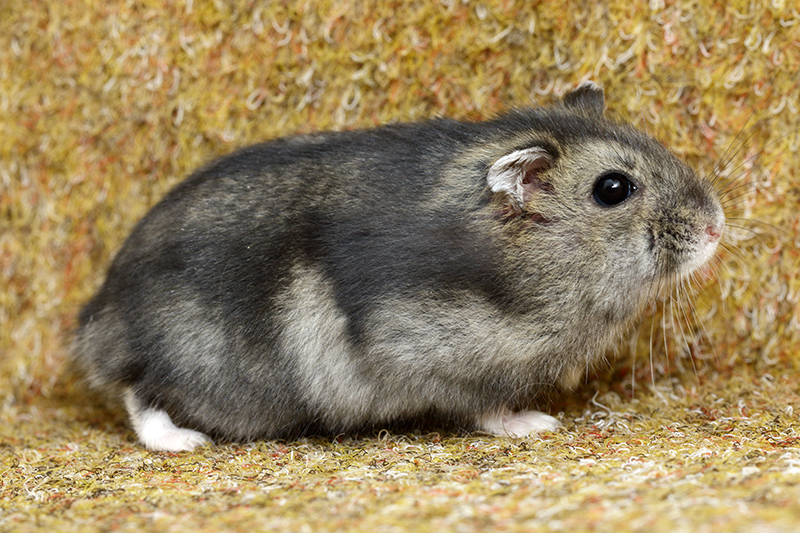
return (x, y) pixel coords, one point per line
(104, 106)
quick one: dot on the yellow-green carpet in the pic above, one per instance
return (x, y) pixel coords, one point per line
(106, 105)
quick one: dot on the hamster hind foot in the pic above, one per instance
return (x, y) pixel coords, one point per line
(517, 424)
(156, 431)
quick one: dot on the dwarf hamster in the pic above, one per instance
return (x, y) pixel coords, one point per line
(442, 270)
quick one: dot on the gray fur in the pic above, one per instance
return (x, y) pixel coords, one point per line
(342, 281)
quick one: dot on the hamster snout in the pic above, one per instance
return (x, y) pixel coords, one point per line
(446, 271)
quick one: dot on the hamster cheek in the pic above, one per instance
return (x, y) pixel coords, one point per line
(517, 424)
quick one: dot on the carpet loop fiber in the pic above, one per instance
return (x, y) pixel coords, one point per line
(105, 106)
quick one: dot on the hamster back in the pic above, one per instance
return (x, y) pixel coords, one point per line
(444, 270)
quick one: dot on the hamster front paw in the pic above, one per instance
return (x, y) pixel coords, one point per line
(517, 424)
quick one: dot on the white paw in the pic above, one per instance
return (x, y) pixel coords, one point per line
(517, 424)
(156, 431)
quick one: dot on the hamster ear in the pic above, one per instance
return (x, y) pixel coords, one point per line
(517, 175)
(587, 97)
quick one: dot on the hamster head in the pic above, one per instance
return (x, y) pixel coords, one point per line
(599, 211)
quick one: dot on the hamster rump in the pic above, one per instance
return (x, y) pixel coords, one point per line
(339, 281)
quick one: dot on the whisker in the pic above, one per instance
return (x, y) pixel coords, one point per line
(739, 262)
(677, 301)
(723, 174)
(738, 196)
(633, 364)
(652, 363)
(734, 143)
(740, 144)
(664, 334)
(770, 225)
(699, 322)
(748, 161)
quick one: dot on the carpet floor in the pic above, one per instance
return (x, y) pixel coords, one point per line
(104, 106)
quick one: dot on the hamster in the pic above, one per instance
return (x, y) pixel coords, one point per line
(447, 271)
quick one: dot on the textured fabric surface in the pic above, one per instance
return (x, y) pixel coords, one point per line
(104, 106)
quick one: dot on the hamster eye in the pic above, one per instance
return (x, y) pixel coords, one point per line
(613, 188)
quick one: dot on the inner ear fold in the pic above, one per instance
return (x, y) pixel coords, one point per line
(517, 175)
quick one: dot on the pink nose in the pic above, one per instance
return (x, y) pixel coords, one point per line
(713, 232)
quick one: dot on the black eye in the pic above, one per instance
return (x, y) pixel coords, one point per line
(612, 189)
